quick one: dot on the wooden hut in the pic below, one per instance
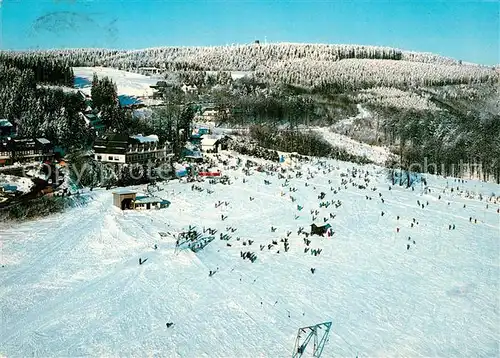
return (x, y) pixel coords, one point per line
(124, 198)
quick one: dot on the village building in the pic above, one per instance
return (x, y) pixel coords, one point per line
(24, 150)
(122, 149)
(191, 152)
(148, 71)
(5, 154)
(126, 199)
(150, 202)
(209, 144)
(213, 144)
(189, 88)
(209, 114)
(93, 121)
(198, 131)
(160, 87)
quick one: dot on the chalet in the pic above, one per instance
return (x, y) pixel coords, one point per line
(212, 144)
(126, 199)
(93, 121)
(150, 202)
(209, 144)
(189, 88)
(197, 134)
(199, 131)
(209, 114)
(24, 149)
(148, 71)
(6, 129)
(122, 149)
(191, 153)
(87, 99)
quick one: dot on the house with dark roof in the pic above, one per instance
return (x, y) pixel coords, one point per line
(122, 149)
(214, 143)
(25, 149)
(93, 121)
(126, 199)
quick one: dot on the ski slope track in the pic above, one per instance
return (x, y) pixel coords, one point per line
(71, 283)
(127, 83)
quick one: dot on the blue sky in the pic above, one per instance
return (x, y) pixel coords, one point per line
(467, 30)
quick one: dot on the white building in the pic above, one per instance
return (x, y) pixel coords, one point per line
(209, 144)
(213, 144)
(122, 149)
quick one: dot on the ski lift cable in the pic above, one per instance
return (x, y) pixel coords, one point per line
(350, 346)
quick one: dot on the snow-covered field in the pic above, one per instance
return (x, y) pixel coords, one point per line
(127, 83)
(71, 284)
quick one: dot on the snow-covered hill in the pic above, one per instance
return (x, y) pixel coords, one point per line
(71, 284)
(346, 66)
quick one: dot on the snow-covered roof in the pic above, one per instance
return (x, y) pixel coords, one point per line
(124, 191)
(148, 200)
(43, 140)
(5, 123)
(147, 139)
(195, 155)
(208, 141)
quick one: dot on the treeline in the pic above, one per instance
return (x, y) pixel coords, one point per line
(40, 111)
(343, 67)
(350, 75)
(46, 69)
(40, 207)
(301, 142)
(236, 57)
(450, 142)
(271, 109)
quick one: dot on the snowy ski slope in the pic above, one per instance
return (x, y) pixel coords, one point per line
(71, 284)
(127, 83)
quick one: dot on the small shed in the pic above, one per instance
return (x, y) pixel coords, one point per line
(124, 199)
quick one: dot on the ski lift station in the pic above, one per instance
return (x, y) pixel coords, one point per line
(126, 199)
